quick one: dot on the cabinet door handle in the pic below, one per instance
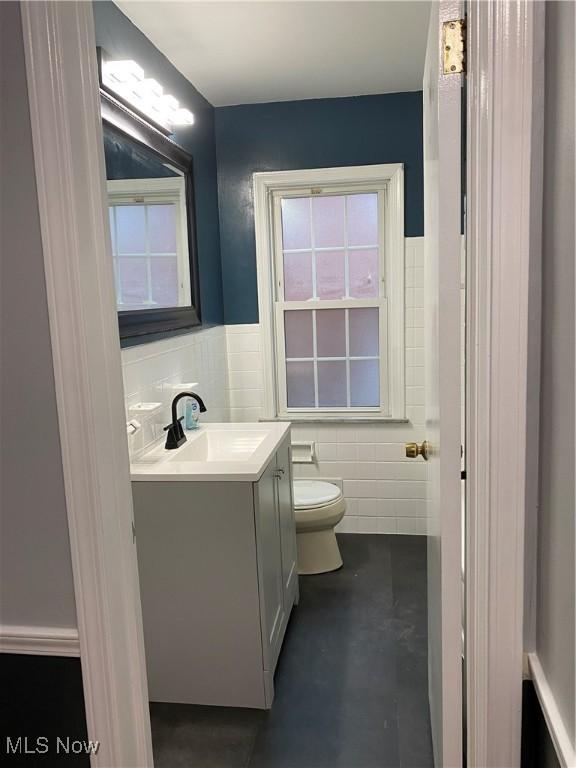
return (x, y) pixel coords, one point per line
(279, 473)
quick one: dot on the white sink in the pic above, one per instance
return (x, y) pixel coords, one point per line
(220, 445)
(213, 452)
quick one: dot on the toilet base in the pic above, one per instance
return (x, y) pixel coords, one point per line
(318, 552)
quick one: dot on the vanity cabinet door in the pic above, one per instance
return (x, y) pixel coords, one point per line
(269, 564)
(287, 525)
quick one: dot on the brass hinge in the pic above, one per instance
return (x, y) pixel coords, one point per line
(454, 46)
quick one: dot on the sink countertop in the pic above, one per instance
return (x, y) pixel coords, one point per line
(225, 452)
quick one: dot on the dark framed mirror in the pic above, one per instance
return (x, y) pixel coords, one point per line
(152, 226)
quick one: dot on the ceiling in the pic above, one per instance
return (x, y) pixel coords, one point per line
(246, 52)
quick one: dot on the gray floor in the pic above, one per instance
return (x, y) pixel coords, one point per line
(351, 683)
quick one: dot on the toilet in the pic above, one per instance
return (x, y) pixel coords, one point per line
(318, 508)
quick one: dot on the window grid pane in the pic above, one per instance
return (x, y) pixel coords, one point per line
(146, 292)
(307, 229)
(323, 378)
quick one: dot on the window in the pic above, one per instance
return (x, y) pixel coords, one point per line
(149, 243)
(332, 253)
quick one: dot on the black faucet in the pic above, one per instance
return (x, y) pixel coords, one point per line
(176, 436)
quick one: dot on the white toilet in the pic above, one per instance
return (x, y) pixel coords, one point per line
(318, 508)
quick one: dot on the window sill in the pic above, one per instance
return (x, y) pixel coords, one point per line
(339, 419)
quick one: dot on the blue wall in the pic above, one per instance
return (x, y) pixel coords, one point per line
(305, 134)
(122, 40)
(229, 144)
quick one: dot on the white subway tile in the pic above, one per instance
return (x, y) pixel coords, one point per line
(347, 451)
(246, 380)
(417, 337)
(367, 489)
(243, 342)
(412, 526)
(239, 415)
(369, 470)
(245, 361)
(387, 470)
(327, 433)
(366, 452)
(346, 433)
(305, 471)
(352, 507)
(419, 253)
(326, 451)
(401, 508)
(387, 525)
(416, 414)
(368, 433)
(369, 507)
(418, 277)
(389, 451)
(398, 489)
(415, 376)
(242, 328)
(350, 489)
(367, 525)
(304, 432)
(246, 398)
(347, 470)
(414, 356)
(418, 317)
(348, 525)
(199, 356)
(414, 395)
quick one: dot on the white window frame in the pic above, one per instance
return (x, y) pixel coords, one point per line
(170, 189)
(269, 187)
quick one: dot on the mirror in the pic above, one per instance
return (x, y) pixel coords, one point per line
(151, 216)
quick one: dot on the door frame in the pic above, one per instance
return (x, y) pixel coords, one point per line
(504, 216)
(504, 162)
(63, 95)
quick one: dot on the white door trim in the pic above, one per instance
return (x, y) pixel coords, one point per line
(504, 187)
(63, 95)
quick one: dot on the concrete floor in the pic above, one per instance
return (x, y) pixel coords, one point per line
(351, 683)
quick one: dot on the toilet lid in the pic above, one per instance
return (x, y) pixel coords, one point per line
(314, 493)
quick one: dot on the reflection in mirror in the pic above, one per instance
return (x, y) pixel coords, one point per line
(148, 226)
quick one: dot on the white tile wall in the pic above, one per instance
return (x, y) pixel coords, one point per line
(245, 372)
(200, 356)
(385, 492)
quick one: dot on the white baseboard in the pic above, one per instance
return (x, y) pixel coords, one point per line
(558, 733)
(39, 641)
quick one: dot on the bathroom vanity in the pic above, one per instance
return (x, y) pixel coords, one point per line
(216, 543)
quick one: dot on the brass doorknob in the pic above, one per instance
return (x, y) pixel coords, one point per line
(413, 450)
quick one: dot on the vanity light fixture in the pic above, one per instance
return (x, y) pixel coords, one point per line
(126, 79)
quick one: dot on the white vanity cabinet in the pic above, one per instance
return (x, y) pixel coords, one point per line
(276, 551)
(218, 579)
